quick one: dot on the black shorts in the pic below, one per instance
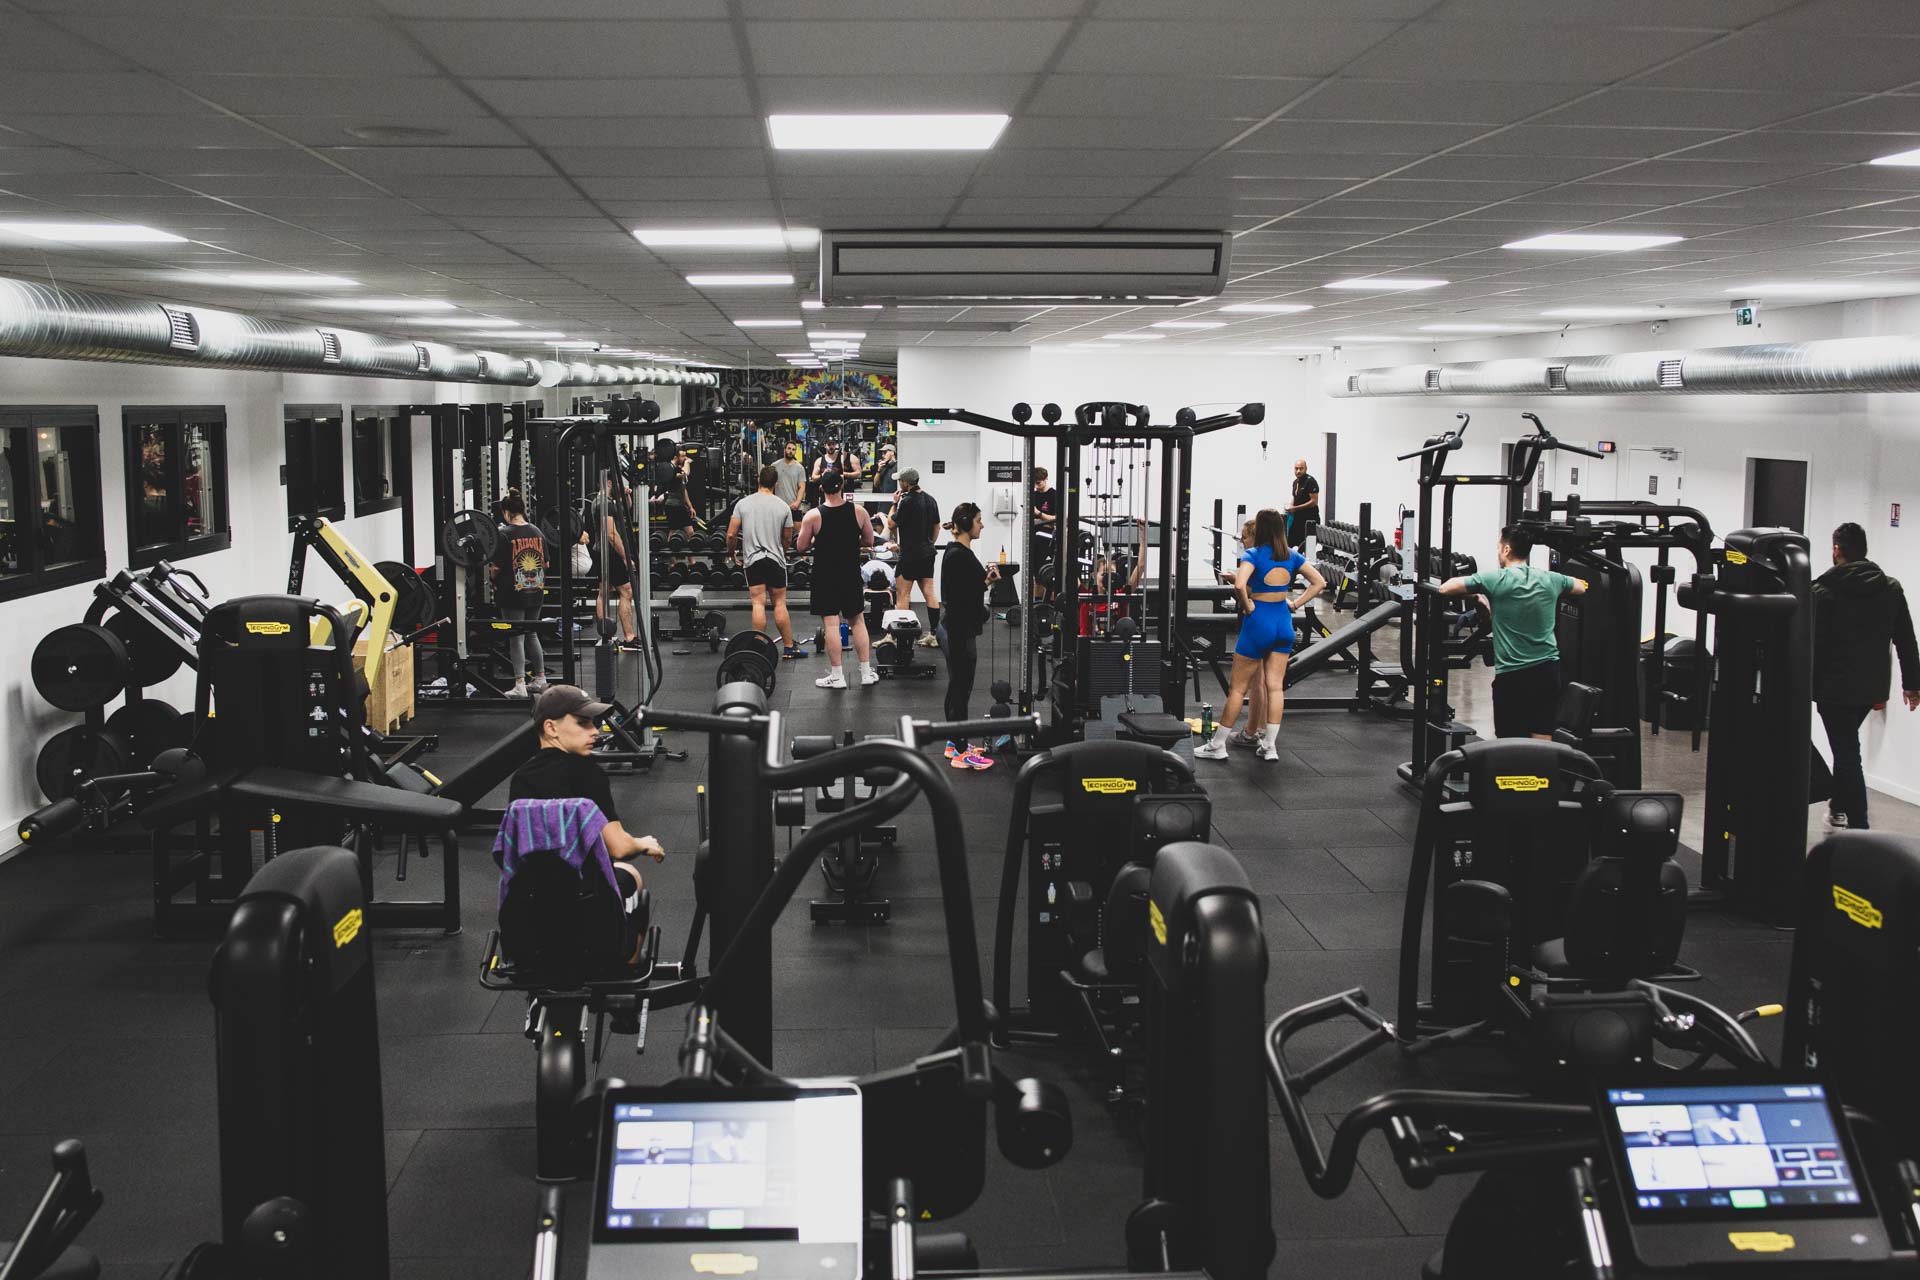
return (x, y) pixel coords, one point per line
(678, 517)
(841, 595)
(1525, 701)
(618, 575)
(916, 564)
(767, 572)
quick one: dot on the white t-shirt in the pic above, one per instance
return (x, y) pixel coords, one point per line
(872, 567)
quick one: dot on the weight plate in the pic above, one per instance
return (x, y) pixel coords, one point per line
(414, 602)
(745, 665)
(470, 538)
(80, 667)
(74, 755)
(149, 727)
(152, 657)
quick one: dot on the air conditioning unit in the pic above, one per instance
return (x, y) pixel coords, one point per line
(1139, 267)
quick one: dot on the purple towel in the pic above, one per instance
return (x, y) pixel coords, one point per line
(570, 828)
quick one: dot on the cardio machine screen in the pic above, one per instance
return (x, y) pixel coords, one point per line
(723, 1165)
(1727, 1151)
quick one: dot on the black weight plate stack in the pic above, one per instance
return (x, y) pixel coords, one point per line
(753, 656)
(149, 727)
(414, 602)
(74, 755)
(470, 538)
(80, 667)
(152, 656)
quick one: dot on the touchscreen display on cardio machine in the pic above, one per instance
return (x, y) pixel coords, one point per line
(1727, 1150)
(740, 1167)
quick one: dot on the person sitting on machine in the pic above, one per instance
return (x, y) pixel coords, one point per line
(1526, 655)
(519, 571)
(761, 533)
(877, 574)
(1265, 572)
(1108, 599)
(563, 769)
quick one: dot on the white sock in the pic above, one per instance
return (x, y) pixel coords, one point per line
(1270, 737)
(1220, 732)
(866, 669)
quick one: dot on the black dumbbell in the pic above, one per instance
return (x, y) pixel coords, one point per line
(716, 542)
(676, 577)
(737, 579)
(677, 540)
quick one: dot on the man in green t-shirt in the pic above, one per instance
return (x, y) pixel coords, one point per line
(1526, 658)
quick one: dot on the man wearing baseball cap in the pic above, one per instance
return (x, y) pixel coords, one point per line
(916, 519)
(568, 722)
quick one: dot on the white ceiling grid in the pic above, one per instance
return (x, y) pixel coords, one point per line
(1402, 137)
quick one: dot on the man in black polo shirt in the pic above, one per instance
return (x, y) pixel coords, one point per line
(1303, 516)
(568, 722)
(916, 524)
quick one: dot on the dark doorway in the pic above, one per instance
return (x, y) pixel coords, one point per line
(1776, 494)
(1333, 474)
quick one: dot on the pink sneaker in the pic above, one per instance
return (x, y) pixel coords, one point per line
(973, 760)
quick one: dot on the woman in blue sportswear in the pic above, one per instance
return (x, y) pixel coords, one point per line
(1261, 580)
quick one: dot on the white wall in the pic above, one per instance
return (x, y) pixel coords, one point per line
(256, 509)
(1863, 451)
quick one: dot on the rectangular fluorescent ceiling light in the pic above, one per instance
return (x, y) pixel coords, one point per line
(1370, 337)
(577, 346)
(812, 304)
(273, 279)
(1395, 284)
(1263, 350)
(796, 355)
(1596, 242)
(829, 333)
(470, 323)
(766, 324)
(1469, 328)
(1903, 159)
(712, 238)
(1133, 337)
(385, 304)
(1267, 308)
(1189, 324)
(532, 335)
(722, 280)
(92, 232)
(885, 132)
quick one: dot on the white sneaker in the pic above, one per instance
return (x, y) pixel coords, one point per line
(928, 641)
(1211, 750)
(1270, 754)
(869, 676)
(832, 680)
(1241, 738)
(519, 691)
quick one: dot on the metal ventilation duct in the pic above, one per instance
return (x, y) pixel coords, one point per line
(51, 322)
(1771, 368)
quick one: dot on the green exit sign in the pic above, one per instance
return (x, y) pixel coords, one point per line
(1744, 315)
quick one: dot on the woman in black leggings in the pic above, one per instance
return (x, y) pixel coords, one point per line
(963, 586)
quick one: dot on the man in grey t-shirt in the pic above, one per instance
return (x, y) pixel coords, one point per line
(759, 534)
(790, 478)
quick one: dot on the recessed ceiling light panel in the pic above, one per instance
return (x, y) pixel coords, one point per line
(738, 279)
(1190, 324)
(1386, 284)
(385, 304)
(885, 132)
(1595, 242)
(711, 237)
(91, 233)
(1267, 308)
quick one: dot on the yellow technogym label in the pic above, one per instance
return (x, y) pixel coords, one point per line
(1108, 786)
(502, 626)
(724, 1264)
(346, 928)
(1157, 922)
(1760, 1241)
(1521, 782)
(268, 628)
(1856, 908)
(1737, 557)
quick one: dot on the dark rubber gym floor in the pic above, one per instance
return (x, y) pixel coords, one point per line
(111, 1030)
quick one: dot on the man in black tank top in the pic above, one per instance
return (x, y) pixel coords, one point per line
(840, 536)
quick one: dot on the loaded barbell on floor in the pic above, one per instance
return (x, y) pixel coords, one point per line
(752, 656)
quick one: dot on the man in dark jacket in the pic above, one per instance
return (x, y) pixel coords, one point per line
(1857, 612)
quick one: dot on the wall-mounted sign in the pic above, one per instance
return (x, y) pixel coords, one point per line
(1003, 472)
(1606, 446)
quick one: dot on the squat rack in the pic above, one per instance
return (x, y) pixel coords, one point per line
(1094, 423)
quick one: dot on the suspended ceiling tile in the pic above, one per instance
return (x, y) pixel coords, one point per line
(1119, 134)
(1487, 52)
(937, 90)
(1851, 17)
(707, 190)
(1070, 162)
(29, 160)
(1319, 137)
(592, 49)
(265, 45)
(204, 130)
(1713, 14)
(641, 161)
(621, 96)
(1436, 100)
(956, 47)
(75, 93)
(371, 97)
(336, 131)
(1255, 46)
(660, 131)
(1798, 60)
(475, 162)
(1215, 97)
(557, 10)
(32, 44)
(181, 162)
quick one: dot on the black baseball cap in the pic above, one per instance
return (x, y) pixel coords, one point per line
(562, 700)
(829, 482)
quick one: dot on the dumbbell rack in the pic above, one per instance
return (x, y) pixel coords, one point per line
(703, 561)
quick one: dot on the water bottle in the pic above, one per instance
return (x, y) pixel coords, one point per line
(1206, 720)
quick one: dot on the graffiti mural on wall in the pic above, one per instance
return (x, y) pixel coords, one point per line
(809, 386)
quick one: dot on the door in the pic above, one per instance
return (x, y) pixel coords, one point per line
(1777, 494)
(948, 463)
(1594, 479)
(1656, 475)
